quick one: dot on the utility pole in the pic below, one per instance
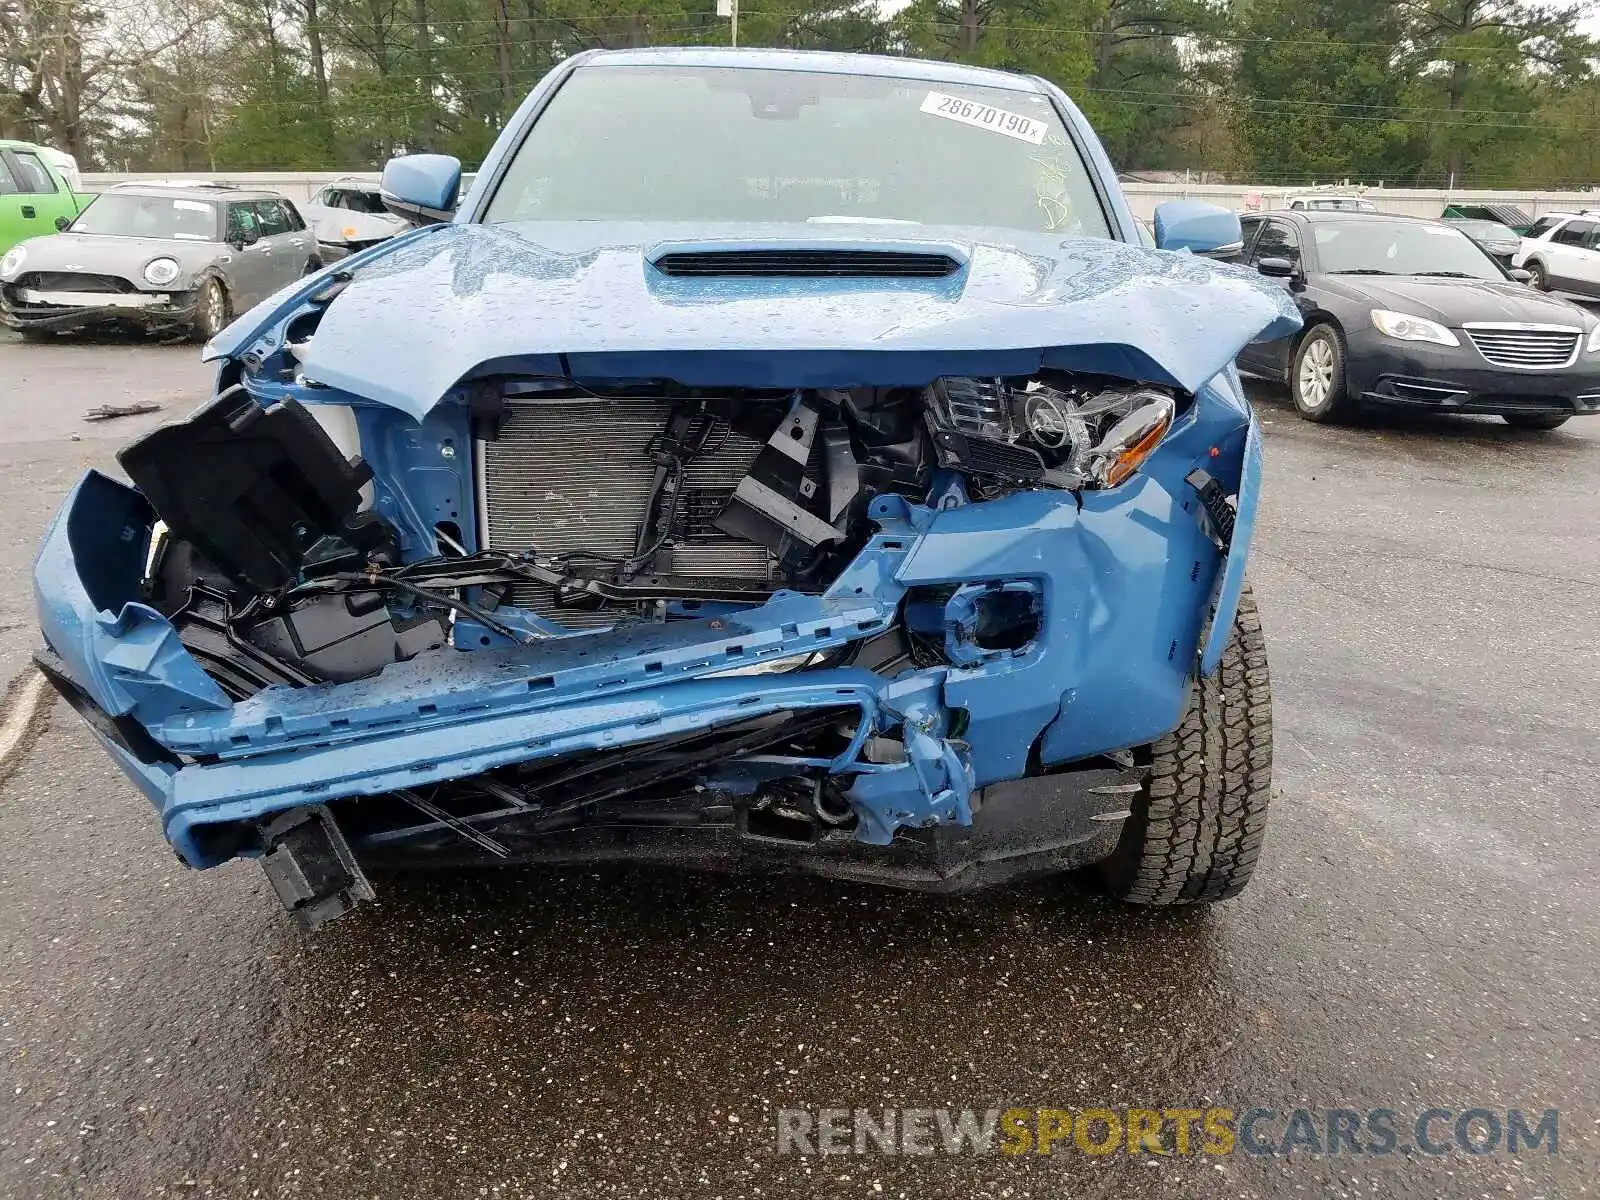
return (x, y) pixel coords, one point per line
(730, 8)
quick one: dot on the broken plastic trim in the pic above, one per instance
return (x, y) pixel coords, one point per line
(311, 867)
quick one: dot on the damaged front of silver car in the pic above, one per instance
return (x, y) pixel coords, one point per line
(908, 555)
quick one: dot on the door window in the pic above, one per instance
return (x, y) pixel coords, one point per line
(1248, 226)
(8, 184)
(1278, 239)
(33, 179)
(292, 215)
(1573, 233)
(1543, 226)
(242, 223)
(272, 217)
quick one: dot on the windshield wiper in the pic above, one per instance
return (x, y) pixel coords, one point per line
(1449, 274)
(1361, 271)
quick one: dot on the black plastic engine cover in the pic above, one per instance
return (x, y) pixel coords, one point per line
(254, 488)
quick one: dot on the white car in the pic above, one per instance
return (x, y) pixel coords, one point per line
(66, 166)
(1561, 253)
(349, 216)
(1330, 203)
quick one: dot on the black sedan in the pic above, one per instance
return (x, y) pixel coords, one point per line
(1403, 311)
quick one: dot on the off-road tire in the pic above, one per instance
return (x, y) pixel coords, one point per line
(1535, 420)
(1197, 826)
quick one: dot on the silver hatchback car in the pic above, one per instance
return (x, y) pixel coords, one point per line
(169, 258)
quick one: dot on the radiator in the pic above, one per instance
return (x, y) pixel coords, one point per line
(567, 475)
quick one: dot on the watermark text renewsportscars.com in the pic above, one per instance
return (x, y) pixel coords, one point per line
(1267, 1132)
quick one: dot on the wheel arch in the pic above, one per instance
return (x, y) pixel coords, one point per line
(1309, 321)
(211, 274)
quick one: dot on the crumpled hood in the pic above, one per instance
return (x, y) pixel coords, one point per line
(106, 254)
(439, 306)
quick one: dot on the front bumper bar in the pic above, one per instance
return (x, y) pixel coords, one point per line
(1417, 375)
(16, 313)
(1127, 579)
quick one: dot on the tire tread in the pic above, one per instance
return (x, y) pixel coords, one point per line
(1196, 830)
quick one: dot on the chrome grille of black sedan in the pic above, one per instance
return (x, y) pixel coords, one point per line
(1526, 346)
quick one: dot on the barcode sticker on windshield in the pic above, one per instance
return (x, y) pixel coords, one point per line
(985, 116)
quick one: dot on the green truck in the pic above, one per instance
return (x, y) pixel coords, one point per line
(34, 198)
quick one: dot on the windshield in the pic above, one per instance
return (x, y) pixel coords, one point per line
(1400, 248)
(721, 144)
(168, 217)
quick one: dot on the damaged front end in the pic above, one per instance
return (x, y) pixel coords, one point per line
(912, 633)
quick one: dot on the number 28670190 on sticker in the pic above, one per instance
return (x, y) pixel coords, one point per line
(985, 116)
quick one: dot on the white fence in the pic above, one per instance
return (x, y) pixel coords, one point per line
(1419, 202)
(1415, 202)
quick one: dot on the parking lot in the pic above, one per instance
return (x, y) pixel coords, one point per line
(1424, 930)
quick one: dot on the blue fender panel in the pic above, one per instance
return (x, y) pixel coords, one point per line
(124, 654)
(1232, 583)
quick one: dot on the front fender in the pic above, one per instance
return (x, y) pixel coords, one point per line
(257, 322)
(1231, 583)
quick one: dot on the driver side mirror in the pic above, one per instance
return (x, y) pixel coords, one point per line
(1198, 227)
(244, 237)
(1278, 268)
(63, 224)
(422, 188)
(1518, 274)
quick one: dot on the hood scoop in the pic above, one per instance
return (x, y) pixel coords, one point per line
(798, 263)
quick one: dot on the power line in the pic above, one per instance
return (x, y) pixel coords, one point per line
(710, 19)
(1299, 103)
(1240, 39)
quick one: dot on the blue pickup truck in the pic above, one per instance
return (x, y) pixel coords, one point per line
(777, 461)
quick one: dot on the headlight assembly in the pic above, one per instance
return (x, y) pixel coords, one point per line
(1590, 347)
(1403, 327)
(161, 271)
(11, 264)
(1061, 436)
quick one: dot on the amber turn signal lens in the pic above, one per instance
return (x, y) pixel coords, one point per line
(1131, 440)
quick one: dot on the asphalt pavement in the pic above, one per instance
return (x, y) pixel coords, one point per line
(1423, 931)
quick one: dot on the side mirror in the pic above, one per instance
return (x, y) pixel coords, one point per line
(63, 224)
(1198, 227)
(245, 237)
(1278, 268)
(422, 188)
(1518, 274)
